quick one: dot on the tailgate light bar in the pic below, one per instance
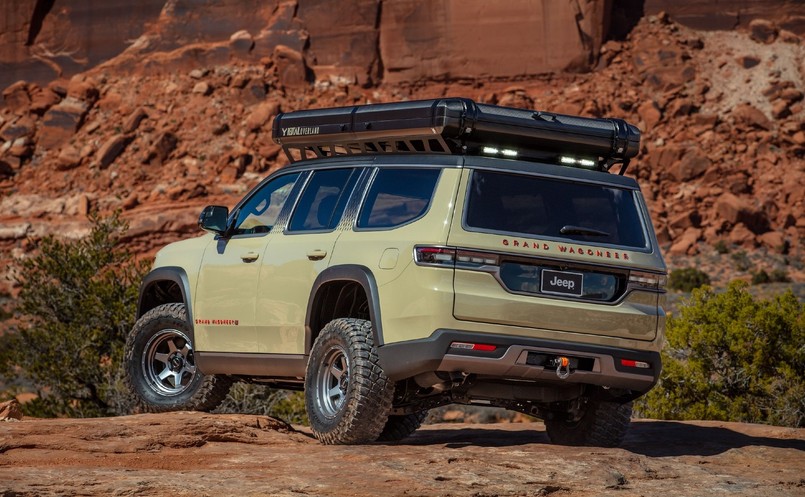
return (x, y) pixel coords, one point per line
(648, 281)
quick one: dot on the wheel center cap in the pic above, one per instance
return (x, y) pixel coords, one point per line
(343, 382)
(176, 362)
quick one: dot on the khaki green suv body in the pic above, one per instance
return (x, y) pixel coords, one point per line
(417, 260)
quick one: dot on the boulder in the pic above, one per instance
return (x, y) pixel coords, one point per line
(161, 148)
(69, 157)
(202, 88)
(731, 208)
(774, 240)
(693, 164)
(686, 244)
(10, 411)
(22, 126)
(752, 116)
(763, 31)
(260, 115)
(44, 99)
(241, 43)
(649, 113)
(741, 235)
(61, 122)
(17, 98)
(291, 68)
(111, 149)
(133, 121)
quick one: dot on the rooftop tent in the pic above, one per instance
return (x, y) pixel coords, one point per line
(457, 126)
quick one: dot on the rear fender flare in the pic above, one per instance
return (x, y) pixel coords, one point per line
(348, 272)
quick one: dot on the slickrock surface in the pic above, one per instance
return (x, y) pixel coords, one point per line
(203, 454)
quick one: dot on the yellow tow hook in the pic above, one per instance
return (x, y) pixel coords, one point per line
(563, 369)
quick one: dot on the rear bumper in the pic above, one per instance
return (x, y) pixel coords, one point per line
(510, 359)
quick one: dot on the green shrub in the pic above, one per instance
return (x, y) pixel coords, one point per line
(685, 280)
(77, 304)
(731, 357)
(721, 247)
(246, 398)
(761, 277)
(741, 260)
(779, 276)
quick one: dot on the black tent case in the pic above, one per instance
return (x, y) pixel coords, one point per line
(457, 126)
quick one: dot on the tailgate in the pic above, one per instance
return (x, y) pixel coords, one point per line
(513, 277)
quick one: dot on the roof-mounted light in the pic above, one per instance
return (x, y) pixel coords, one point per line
(506, 152)
(572, 161)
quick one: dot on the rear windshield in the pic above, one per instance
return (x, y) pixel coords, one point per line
(543, 207)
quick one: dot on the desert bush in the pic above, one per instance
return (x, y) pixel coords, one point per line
(761, 277)
(776, 276)
(741, 260)
(247, 398)
(686, 279)
(732, 357)
(76, 304)
(721, 247)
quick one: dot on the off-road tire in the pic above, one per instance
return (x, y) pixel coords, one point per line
(401, 426)
(602, 424)
(347, 395)
(157, 331)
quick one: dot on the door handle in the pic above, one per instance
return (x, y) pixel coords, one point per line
(249, 256)
(316, 255)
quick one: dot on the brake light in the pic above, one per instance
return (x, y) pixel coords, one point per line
(635, 364)
(650, 281)
(483, 347)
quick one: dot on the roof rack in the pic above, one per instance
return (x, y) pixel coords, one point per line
(457, 126)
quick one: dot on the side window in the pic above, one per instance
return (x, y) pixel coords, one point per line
(260, 212)
(324, 199)
(397, 196)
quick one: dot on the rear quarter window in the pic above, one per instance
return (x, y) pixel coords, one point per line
(397, 197)
(547, 207)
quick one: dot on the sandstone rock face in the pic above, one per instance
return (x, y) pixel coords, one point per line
(37, 45)
(471, 38)
(728, 14)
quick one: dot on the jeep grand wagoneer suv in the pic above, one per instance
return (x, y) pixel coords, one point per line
(414, 255)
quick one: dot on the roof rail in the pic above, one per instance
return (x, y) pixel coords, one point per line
(457, 126)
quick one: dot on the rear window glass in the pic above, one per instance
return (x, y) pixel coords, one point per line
(397, 196)
(323, 200)
(544, 207)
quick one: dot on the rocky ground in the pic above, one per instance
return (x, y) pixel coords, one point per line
(204, 454)
(160, 133)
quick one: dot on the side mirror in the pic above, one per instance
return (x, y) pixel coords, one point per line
(213, 219)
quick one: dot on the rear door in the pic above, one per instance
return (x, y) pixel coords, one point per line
(297, 256)
(544, 252)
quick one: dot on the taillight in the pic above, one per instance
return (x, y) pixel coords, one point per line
(435, 256)
(648, 281)
(459, 258)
